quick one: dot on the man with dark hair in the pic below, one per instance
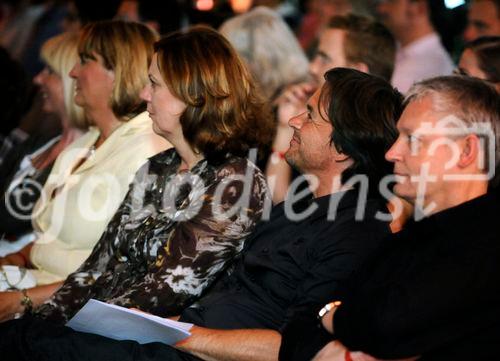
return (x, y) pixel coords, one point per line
(295, 260)
(483, 19)
(421, 54)
(350, 41)
(433, 290)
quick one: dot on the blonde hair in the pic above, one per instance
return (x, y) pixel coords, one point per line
(269, 48)
(127, 49)
(60, 54)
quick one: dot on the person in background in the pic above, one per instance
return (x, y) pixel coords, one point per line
(351, 41)
(90, 177)
(481, 59)
(419, 44)
(483, 19)
(269, 49)
(25, 172)
(316, 16)
(288, 10)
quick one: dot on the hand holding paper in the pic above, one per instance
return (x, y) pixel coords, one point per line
(121, 323)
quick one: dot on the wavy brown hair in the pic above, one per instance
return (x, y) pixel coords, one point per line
(224, 113)
(363, 110)
(127, 49)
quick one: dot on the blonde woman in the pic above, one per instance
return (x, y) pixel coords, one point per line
(90, 178)
(25, 173)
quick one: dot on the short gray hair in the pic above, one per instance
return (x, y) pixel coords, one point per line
(471, 100)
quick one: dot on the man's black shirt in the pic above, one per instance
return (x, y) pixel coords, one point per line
(433, 290)
(288, 265)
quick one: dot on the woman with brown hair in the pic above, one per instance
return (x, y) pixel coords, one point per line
(190, 208)
(91, 176)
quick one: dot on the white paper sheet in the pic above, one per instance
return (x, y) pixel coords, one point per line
(121, 323)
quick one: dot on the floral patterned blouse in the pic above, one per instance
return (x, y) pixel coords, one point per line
(172, 235)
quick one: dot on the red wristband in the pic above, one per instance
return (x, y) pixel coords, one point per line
(281, 155)
(348, 355)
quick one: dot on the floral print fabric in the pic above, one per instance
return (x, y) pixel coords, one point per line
(172, 235)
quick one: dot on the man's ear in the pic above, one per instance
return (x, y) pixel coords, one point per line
(470, 152)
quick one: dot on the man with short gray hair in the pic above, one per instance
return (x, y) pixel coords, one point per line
(434, 290)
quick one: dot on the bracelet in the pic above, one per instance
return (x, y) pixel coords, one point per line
(347, 355)
(327, 308)
(26, 302)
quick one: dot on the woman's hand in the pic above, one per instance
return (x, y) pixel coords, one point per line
(14, 259)
(10, 304)
(21, 258)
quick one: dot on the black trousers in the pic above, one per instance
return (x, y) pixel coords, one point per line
(32, 339)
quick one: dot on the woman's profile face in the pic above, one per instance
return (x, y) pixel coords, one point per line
(51, 88)
(93, 82)
(163, 107)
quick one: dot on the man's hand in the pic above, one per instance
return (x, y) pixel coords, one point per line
(293, 101)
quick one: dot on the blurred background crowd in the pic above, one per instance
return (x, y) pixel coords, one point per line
(26, 24)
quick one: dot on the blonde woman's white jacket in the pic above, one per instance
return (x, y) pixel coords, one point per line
(77, 204)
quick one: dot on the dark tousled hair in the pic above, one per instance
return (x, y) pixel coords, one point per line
(363, 110)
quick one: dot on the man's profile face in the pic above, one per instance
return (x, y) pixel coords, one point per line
(330, 54)
(423, 155)
(483, 20)
(310, 148)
